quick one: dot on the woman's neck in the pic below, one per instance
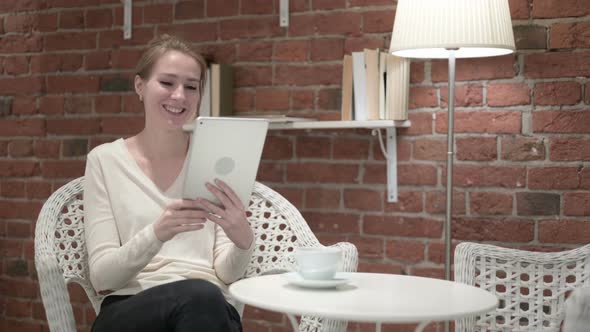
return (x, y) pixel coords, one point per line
(162, 144)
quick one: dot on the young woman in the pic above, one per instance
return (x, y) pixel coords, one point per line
(164, 262)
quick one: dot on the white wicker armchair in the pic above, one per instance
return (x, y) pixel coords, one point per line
(531, 286)
(61, 257)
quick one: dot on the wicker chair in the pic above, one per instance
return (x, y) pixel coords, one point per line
(577, 311)
(61, 257)
(531, 286)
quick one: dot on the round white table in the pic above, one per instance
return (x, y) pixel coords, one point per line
(368, 297)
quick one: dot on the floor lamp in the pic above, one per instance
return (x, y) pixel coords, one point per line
(450, 29)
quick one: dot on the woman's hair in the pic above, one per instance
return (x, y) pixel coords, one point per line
(162, 44)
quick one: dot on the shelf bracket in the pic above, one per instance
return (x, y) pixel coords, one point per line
(284, 13)
(391, 165)
(127, 18)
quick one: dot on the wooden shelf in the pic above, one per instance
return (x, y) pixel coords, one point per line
(315, 124)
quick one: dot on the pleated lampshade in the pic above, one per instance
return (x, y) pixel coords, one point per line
(475, 28)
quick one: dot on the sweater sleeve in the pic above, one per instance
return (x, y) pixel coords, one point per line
(229, 261)
(111, 264)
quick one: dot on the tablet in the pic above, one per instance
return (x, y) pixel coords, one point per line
(228, 149)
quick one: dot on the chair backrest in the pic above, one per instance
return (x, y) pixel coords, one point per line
(278, 227)
(531, 286)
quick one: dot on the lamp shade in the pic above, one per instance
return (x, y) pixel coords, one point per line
(473, 28)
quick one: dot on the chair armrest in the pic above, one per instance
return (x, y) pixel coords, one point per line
(56, 298)
(349, 256)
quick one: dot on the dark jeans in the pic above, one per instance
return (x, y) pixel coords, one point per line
(182, 306)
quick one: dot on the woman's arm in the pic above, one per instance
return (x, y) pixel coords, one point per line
(111, 264)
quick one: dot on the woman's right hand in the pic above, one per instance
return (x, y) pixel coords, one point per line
(179, 216)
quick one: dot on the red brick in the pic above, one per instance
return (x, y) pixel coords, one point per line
(553, 178)
(258, 7)
(559, 8)
(63, 169)
(322, 173)
(157, 13)
(331, 23)
(537, 204)
(72, 126)
(508, 94)
(434, 149)
(332, 222)
(492, 122)
(558, 65)
(569, 148)
(417, 71)
(131, 104)
(16, 65)
(38, 189)
(98, 60)
(471, 69)
(243, 100)
(47, 22)
(21, 85)
(24, 105)
(569, 121)
(19, 209)
(270, 172)
(122, 125)
(21, 43)
(367, 3)
(329, 100)
(185, 10)
(356, 44)
(519, 148)
(313, 147)
(18, 308)
(136, 14)
(252, 27)
(322, 198)
(308, 75)
(302, 100)
(49, 63)
(436, 202)
(99, 18)
(488, 176)
(576, 204)
(255, 50)
(20, 148)
(407, 201)
(272, 99)
(421, 124)
(10, 248)
(570, 35)
(371, 267)
(291, 51)
(407, 175)
(490, 203)
(326, 49)
(368, 247)
(22, 127)
(19, 230)
(21, 23)
(530, 37)
(107, 104)
(293, 195)
(301, 25)
(483, 229)
(20, 325)
(222, 8)
(557, 93)
(379, 21)
(47, 148)
(564, 231)
(72, 84)
(402, 226)
(587, 93)
(423, 96)
(77, 105)
(350, 148)
(71, 19)
(436, 252)
(246, 76)
(405, 251)
(404, 148)
(113, 39)
(476, 148)
(328, 4)
(519, 9)
(465, 95)
(259, 314)
(278, 148)
(12, 189)
(363, 199)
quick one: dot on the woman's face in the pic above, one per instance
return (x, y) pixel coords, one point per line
(171, 93)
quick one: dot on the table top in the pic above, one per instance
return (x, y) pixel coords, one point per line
(368, 297)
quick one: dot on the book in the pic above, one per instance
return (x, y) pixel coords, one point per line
(205, 104)
(347, 96)
(382, 84)
(372, 83)
(398, 87)
(359, 82)
(222, 81)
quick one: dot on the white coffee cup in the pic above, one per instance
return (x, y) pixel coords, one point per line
(318, 263)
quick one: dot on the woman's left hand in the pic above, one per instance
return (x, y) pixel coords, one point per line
(231, 216)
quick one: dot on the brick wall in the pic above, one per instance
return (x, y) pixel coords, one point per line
(522, 174)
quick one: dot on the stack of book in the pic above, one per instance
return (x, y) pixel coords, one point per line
(218, 95)
(375, 86)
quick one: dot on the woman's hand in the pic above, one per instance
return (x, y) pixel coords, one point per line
(231, 216)
(178, 217)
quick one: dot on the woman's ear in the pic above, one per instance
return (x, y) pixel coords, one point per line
(138, 83)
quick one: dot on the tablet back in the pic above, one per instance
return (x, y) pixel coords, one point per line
(228, 149)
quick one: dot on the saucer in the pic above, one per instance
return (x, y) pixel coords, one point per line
(296, 279)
